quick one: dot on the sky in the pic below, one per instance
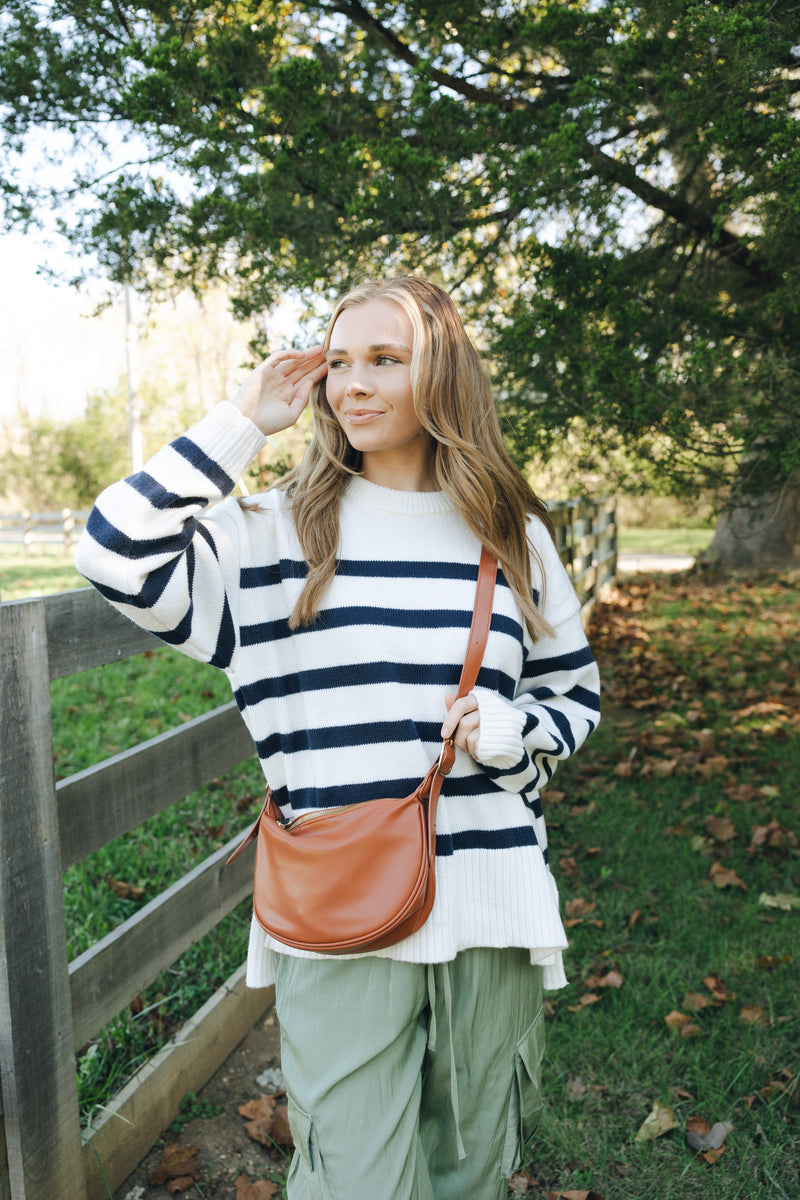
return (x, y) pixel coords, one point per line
(53, 351)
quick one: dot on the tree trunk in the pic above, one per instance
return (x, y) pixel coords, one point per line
(760, 534)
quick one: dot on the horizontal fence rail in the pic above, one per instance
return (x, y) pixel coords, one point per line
(31, 529)
(50, 1007)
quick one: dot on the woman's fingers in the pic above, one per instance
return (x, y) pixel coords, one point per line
(277, 391)
(462, 722)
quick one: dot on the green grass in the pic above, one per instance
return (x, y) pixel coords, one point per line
(664, 541)
(25, 576)
(687, 763)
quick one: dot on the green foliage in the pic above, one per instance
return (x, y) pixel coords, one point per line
(611, 189)
(52, 464)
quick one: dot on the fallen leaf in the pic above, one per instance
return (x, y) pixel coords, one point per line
(579, 907)
(128, 891)
(521, 1183)
(771, 962)
(177, 1170)
(658, 1122)
(753, 1014)
(718, 989)
(725, 877)
(696, 1001)
(581, 1195)
(782, 900)
(611, 979)
(262, 1189)
(266, 1122)
(586, 998)
(721, 829)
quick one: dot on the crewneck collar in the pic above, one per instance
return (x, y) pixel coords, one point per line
(372, 496)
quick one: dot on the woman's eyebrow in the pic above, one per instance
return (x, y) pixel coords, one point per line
(378, 348)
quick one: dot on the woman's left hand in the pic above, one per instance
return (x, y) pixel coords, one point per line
(462, 723)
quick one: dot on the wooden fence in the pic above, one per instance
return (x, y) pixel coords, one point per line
(31, 529)
(50, 1007)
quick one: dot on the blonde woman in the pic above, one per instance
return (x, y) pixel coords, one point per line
(338, 604)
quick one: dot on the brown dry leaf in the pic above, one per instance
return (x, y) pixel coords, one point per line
(579, 1195)
(771, 962)
(586, 998)
(521, 1183)
(724, 877)
(784, 1084)
(633, 918)
(266, 1121)
(579, 907)
(696, 1001)
(258, 1116)
(753, 1014)
(658, 1122)
(262, 1189)
(772, 836)
(568, 866)
(719, 989)
(128, 891)
(177, 1170)
(721, 829)
(610, 979)
(680, 1023)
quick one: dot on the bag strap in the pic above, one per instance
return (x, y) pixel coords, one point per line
(476, 643)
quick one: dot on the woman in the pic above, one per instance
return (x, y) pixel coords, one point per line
(339, 606)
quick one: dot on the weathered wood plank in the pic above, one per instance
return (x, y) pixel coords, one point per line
(36, 1063)
(106, 800)
(147, 1105)
(5, 1182)
(107, 976)
(83, 631)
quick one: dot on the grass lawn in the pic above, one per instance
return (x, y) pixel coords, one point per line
(673, 838)
(664, 541)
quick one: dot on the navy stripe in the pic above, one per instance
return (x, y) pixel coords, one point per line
(290, 568)
(205, 465)
(561, 720)
(158, 495)
(357, 793)
(485, 839)
(353, 616)
(535, 668)
(364, 674)
(111, 538)
(370, 733)
(582, 695)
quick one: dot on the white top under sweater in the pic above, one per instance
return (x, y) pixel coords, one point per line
(351, 707)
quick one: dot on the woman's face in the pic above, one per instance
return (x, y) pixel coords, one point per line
(369, 379)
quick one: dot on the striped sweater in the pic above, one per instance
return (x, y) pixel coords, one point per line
(350, 707)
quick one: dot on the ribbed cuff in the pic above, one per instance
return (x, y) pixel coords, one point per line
(500, 738)
(229, 438)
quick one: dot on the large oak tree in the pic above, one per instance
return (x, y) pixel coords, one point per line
(612, 189)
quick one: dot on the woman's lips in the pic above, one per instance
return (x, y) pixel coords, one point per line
(361, 416)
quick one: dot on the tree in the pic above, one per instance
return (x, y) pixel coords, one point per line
(613, 190)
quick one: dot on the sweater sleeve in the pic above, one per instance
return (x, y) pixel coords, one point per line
(557, 701)
(147, 550)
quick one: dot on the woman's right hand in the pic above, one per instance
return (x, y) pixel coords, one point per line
(276, 392)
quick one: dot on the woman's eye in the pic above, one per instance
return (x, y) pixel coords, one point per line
(385, 360)
(333, 363)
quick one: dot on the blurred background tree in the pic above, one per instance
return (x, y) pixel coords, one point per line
(611, 191)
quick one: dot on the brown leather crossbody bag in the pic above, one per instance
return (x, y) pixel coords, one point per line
(360, 877)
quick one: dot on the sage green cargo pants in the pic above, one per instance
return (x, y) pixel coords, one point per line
(410, 1082)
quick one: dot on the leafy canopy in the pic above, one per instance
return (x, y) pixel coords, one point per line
(611, 189)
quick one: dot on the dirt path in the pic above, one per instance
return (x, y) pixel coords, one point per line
(226, 1152)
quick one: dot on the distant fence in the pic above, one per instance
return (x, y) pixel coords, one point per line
(31, 529)
(50, 1007)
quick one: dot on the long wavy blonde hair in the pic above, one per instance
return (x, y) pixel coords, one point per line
(453, 402)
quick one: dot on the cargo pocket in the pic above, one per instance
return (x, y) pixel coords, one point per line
(307, 1167)
(525, 1102)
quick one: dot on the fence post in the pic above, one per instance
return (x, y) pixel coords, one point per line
(40, 1100)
